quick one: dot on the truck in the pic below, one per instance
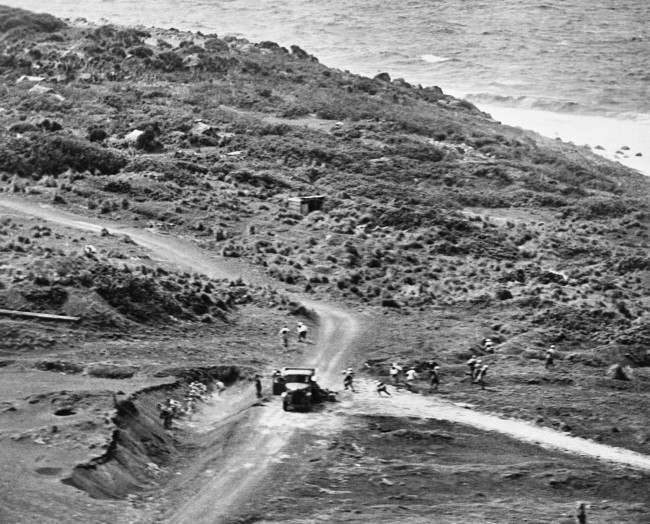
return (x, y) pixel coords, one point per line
(298, 388)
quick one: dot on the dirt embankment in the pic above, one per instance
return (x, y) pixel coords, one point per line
(140, 445)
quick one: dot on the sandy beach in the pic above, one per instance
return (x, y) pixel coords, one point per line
(605, 136)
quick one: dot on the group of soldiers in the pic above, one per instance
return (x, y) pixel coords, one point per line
(173, 409)
(301, 332)
(411, 375)
(477, 370)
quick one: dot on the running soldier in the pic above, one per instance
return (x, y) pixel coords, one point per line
(166, 415)
(435, 379)
(480, 376)
(258, 386)
(411, 375)
(284, 335)
(219, 387)
(477, 369)
(348, 380)
(549, 361)
(471, 364)
(301, 329)
(394, 372)
(381, 388)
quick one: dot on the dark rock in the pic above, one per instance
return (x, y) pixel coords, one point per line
(267, 44)
(503, 294)
(617, 372)
(299, 53)
(64, 412)
(383, 77)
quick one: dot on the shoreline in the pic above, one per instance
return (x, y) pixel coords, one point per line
(610, 134)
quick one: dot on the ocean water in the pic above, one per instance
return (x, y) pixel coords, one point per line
(581, 57)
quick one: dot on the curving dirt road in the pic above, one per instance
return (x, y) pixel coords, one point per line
(262, 432)
(259, 437)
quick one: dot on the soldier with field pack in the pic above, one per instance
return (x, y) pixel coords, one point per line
(471, 364)
(395, 369)
(301, 329)
(284, 335)
(258, 386)
(348, 380)
(549, 361)
(480, 376)
(381, 388)
(435, 379)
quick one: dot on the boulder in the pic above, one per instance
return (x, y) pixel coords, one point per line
(38, 89)
(29, 79)
(383, 77)
(503, 294)
(132, 137)
(299, 52)
(618, 372)
(193, 60)
(200, 128)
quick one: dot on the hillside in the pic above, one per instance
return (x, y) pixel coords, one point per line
(439, 225)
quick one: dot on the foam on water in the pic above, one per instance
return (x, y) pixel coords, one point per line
(433, 59)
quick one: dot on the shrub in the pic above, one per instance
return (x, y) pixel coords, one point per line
(169, 61)
(11, 18)
(53, 154)
(141, 51)
(117, 186)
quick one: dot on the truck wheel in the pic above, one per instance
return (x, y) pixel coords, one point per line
(285, 406)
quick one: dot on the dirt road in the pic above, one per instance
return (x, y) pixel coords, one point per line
(252, 447)
(406, 404)
(257, 439)
(262, 432)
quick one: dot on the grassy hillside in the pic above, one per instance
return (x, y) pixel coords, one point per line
(432, 207)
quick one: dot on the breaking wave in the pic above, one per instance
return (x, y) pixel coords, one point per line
(433, 59)
(527, 102)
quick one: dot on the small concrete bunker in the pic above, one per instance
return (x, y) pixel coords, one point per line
(306, 204)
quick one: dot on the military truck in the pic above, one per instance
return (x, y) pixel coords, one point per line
(298, 388)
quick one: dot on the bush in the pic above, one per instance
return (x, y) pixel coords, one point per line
(11, 18)
(117, 186)
(169, 61)
(141, 51)
(97, 135)
(36, 154)
(594, 207)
